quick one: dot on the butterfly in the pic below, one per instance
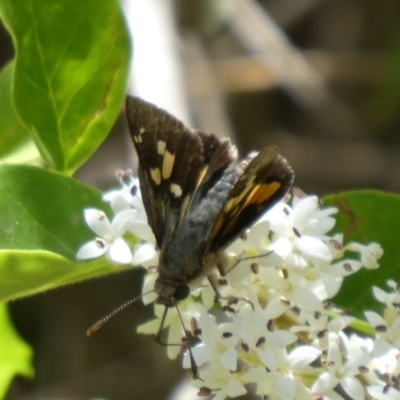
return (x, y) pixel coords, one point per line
(198, 199)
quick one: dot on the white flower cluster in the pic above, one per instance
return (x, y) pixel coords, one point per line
(276, 330)
(130, 220)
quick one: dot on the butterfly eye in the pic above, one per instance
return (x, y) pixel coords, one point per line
(181, 292)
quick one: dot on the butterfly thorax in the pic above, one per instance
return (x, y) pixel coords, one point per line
(182, 259)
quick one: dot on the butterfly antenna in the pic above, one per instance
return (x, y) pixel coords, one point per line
(95, 327)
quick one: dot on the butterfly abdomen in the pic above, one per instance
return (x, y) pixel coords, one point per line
(185, 251)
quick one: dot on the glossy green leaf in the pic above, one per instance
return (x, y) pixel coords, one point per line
(12, 131)
(368, 216)
(15, 354)
(24, 273)
(70, 73)
(41, 229)
(26, 153)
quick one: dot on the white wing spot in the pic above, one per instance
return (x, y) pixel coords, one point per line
(142, 130)
(176, 190)
(168, 164)
(156, 175)
(161, 147)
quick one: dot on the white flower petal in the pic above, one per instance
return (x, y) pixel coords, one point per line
(142, 230)
(326, 381)
(307, 299)
(208, 296)
(98, 222)
(237, 247)
(203, 354)
(229, 359)
(235, 388)
(283, 338)
(381, 392)
(381, 347)
(344, 267)
(279, 219)
(304, 211)
(375, 319)
(239, 277)
(270, 259)
(302, 356)
(334, 356)
(122, 221)
(120, 252)
(148, 294)
(150, 327)
(285, 388)
(296, 262)
(175, 335)
(119, 203)
(108, 196)
(332, 284)
(268, 358)
(143, 253)
(324, 225)
(92, 249)
(314, 248)
(137, 204)
(255, 375)
(258, 233)
(283, 246)
(353, 387)
(327, 212)
(380, 294)
(210, 334)
(340, 323)
(371, 256)
(221, 395)
(353, 364)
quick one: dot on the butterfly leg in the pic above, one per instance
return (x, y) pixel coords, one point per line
(158, 335)
(247, 259)
(230, 299)
(185, 342)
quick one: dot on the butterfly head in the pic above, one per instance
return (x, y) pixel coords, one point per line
(170, 292)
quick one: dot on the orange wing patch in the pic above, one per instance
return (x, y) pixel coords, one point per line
(262, 193)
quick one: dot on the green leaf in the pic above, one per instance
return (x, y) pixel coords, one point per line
(43, 210)
(368, 216)
(42, 227)
(24, 273)
(70, 73)
(15, 354)
(13, 132)
(26, 153)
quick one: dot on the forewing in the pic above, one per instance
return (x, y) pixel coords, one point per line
(174, 162)
(263, 180)
(170, 163)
